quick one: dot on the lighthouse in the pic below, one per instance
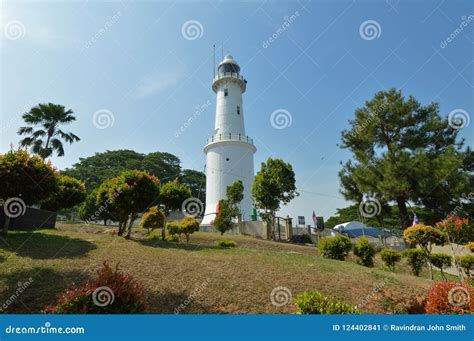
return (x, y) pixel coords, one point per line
(229, 151)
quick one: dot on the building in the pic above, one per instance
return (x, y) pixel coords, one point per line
(229, 151)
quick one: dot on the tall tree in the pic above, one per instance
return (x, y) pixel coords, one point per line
(273, 186)
(47, 139)
(229, 208)
(173, 196)
(404, 152)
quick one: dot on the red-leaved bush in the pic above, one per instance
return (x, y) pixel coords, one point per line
(450, 298)
(112, 292)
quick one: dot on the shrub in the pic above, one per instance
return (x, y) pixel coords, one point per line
(365, 251)
(70, 193)
(153, 219)
(467, 263)
(172, 238)
(441, 261)
(173, 228)
(335, 247)
(154, 236)
(226, 243)
(450, 298)
(313, 302)
(188, 226)
(416, 259)
(390, 257)
(302, 239)
(470, 246)
(112, 292)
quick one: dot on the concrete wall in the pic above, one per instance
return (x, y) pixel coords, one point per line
(32, 219)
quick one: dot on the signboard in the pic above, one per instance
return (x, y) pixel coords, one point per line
(301, 220)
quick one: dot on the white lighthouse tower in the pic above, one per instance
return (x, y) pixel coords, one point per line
(229, 151)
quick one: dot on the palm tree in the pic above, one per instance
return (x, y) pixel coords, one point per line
(50, 116)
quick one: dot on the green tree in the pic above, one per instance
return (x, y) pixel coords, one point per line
(405, 152)
(25, 178)
(49, 137)
(229, 208)
(127, 195)
(90, 211)
(188, 226)
(70, 193)
(273, 186)
(173, 195)
(196, 182)
(390, 257)
(441, 261)
(153, 219)
(425, 237)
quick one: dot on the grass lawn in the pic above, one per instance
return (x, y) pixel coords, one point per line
(237, 280)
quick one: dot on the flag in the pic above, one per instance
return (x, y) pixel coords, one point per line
(315, 219)
(416, 221)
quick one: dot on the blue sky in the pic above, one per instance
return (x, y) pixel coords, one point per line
(133, 62)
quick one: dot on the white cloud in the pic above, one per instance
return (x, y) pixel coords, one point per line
(154, 86)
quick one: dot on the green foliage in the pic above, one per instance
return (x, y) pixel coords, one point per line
(223, 221)
(273, 186)
(337, 247)
(127, 195)
(313, 302)
(90, 211)
(48, 139)
(188, 226)
(226, 243)
(173, 228)
(172, 238)
(390, 257)
(70, 193)
(401, 149)
(365, 251)
(467, 263)
(96, 169)
(112, 292)
(21, 173)
(153, 219)
(235, 192)
(470, 246)
(456, 229)
(416, 260)
(423, 235)
(196, 182)
(153, 236)
(441, 261)
(173, 194)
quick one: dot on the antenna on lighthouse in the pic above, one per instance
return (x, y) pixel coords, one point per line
(214, 59)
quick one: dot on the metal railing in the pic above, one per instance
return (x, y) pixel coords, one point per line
(229, 74)
(229, 137)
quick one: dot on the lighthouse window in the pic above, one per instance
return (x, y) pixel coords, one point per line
(226, 92)
(227, 159)
(238, 110)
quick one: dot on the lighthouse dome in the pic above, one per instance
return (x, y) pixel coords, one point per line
(228, 64)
